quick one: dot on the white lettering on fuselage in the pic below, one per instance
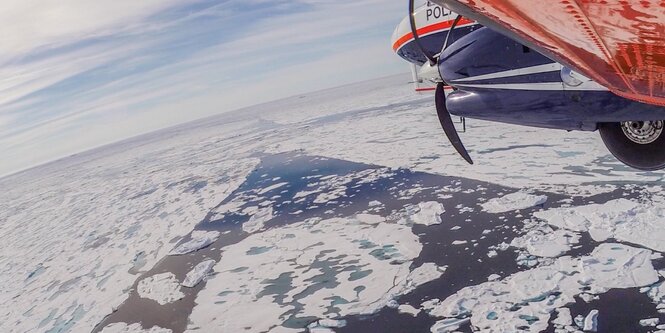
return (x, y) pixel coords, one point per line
(435, 11)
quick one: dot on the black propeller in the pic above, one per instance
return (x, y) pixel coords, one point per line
(447, 122)
(440, 95)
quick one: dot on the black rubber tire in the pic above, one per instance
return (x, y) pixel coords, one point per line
(647, 157)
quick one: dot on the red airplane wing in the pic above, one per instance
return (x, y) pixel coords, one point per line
(618, 43)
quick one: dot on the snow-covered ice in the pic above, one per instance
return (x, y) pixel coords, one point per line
(198, 273)
(162, 288)
(132, 328)
(258, 219)
(622, 219)
(513, 201)
(408, 309)
(528, 297)
(591, 321)
(199, 239)
(545, 242)
(650, 322)
(77, 233)
(428, 213)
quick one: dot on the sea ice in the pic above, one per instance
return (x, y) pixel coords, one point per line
(427, 213)
(133, 328)
(591, 321)
(621, 219)
(545, 242)
(513, 201)
(563, 317)
(448, 325)
(370, 218)
(162, 288)
(199, 239)
(528, 297)
(408, 309)
(258, 219)
(198, 273)
(649, 322)
(357, 267)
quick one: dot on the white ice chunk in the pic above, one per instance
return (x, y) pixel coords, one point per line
(546, 242)
(448, 325)
(513, 201)
(258, 219)
(493, 277)
(425, 273)
(331, 323)
(200, 239)
(408, 309)
(375, 203)
(162, 288)
(459, 242)
(621, 219)
(429, 213)
(563, 317)
(133, 328)
(591, 321)
(650, 322)
(198, 273)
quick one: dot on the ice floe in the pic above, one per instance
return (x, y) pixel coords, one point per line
(591, 321)
(313, 267)
(545, 242)
(258, 219)
(133, 328)
(428, 213)
(198, 273)
(621, 219)
(199, 239)
(162, 288)
(408, 309)
(526, 298)
(650, 322)
(513, 201)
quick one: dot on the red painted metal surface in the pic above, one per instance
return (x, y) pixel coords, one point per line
(618, 43)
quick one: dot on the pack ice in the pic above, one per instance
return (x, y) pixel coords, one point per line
(526, 299)
(307, 269)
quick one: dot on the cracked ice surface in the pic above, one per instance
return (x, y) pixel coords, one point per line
(527, 298)
(316, 268)
(77, 231)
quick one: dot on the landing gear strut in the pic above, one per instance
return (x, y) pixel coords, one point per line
(638, 144)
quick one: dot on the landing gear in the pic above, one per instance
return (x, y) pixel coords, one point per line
(638, 144)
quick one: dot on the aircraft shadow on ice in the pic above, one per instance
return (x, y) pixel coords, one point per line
(297, 187)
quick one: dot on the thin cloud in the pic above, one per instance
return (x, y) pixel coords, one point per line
(166, 58)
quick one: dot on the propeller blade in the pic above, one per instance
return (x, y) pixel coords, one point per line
(447, 123)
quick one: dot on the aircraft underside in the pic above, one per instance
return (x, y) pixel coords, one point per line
(496, 78)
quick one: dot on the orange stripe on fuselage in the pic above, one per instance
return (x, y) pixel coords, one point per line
(429, 29)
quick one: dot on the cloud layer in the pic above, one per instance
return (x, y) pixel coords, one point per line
(77, 74)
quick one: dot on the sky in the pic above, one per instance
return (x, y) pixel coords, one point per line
(77, 74)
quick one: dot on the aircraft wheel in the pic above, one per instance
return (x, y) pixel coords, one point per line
(638, 144)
